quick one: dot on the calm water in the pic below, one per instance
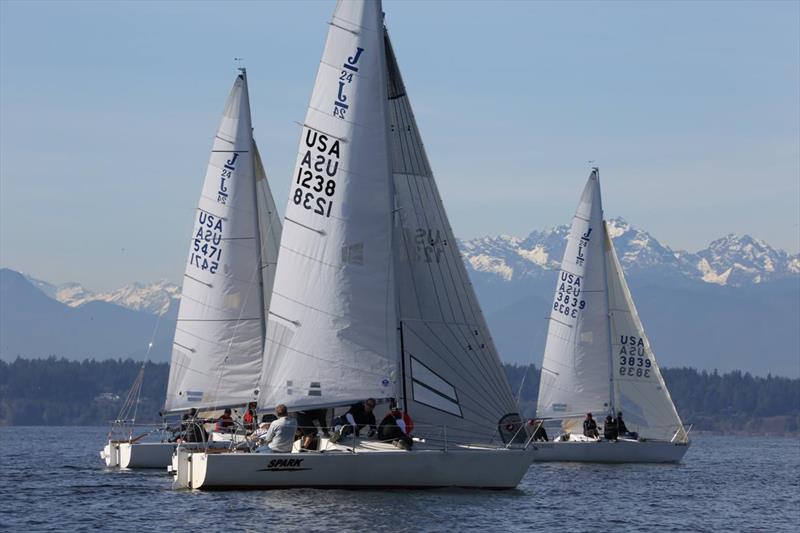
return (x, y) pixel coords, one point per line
(52, 479)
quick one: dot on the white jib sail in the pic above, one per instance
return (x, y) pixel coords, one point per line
(640, 391)
(269, 229)
(576, 367)
(216, 355)
(331, 333)
(453, 374)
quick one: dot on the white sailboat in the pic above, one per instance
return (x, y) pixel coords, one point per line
(598, 359)
(219, 336)
(371, 298)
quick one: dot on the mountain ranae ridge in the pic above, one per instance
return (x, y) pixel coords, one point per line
(733, 260)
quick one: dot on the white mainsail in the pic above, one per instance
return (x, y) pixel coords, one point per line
(332, 327)
(453, 375)
(218, 345)
(639, 388)
(576, 367)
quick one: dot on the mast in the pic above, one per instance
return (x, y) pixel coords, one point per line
(611, 405)
(259, 257)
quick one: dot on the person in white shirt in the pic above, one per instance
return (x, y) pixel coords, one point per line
(281, 433)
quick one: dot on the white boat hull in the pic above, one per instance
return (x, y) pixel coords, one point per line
(110, 454)
(146, 454)
(603, 451)
(457, 467)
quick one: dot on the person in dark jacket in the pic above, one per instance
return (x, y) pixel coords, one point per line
(590, 427)
(610, 431)
(358, 417)
(395, 428)
(539, 434)
(305, 424)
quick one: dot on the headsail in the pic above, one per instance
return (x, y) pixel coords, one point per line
(640, 391)
(576, 367)
(331, 333)
(216, 355)
(453, 373)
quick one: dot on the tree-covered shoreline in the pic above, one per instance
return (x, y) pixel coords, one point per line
(59, 392)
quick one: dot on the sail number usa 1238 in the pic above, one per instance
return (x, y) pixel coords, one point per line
(315, 182)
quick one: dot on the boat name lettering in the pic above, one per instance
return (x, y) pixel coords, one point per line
(285, 463)
(340, 105)
(582, 244)
(226, 174)
(567, 301)
(206, 250)
(316, 173)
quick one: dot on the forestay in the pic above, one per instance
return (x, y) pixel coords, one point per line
(640, 391)
(576, 368)
(331, 333)
(216, 355)
(453, 374)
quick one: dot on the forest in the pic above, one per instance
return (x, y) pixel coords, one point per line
(58, 392)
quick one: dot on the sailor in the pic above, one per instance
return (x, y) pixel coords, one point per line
(590, 427)
(225, 422)
(396, 427)
(249, 419)
(194, 430)
(358, 417)
(610, 429)
(279, 436)
(305, 422)
(539, 434)
(621, 424)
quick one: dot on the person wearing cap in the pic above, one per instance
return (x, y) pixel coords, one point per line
(279, 436)
(590, 427)
(396, 428)
(358, 417)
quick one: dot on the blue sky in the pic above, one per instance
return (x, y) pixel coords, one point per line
(107, 111)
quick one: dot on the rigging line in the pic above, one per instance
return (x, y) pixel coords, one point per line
(220, 319)
(207, 212)
(478, 388)
(309, 126)
(307, 306)
(479, 365)
(229, 151)
(333, 363)
(301, 254)
(197, 280)
(319, 231)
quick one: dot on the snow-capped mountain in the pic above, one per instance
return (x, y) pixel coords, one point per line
(154, 298)
(732, 260)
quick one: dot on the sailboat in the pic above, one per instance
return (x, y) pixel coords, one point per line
(371, 298)
(598, 358)
(227, 284)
